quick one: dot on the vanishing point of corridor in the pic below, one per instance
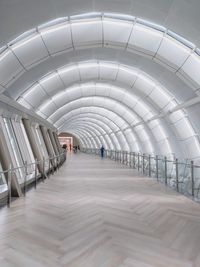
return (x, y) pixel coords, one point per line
(98, 213)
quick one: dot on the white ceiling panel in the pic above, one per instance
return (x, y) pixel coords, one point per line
(141, 133)
(164, 147)
(116, 93)
(30, 50)
(57, 38)
(98, 101)
(131, 102)
(88, 90)
(173, 52)
(172, 104)
(116, 32)
(191, 147)
(191, 69)
(36, 95)
(8, 61)
(87, 33)
(153, 123)
(87, 101)
(144, 85)
(49, 109)
(108, 71)
(159, 97)
(145, 39)
(148, 115)
(61, 98)
(126, 76)
(121, 123)
(73, 92)
(69, 75)
(140, 110)
(52, 84)
(158, 133)
(183, 129)
(102, 90)
(23, 102)
(117, 107)
(89, 71)
(129, 117)
(176, 116)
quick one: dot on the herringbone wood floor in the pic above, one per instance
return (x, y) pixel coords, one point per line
(98, 213)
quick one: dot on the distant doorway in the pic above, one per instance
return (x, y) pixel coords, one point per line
(66, 141)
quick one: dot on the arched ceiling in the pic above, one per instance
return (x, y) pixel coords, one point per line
(19, 16)
(150, 99)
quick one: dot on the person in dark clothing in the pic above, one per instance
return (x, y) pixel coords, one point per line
(102, 151)
(64, 146)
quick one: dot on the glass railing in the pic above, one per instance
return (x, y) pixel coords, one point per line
(181, 175)
(47, 166)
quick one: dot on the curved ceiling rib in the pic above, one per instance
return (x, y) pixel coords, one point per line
(102, 121)
(112, 119)
(101, 124)
(92, 130)
(134, 111)
(86, 137)
(97, 30)
(143, 85)
(118, 107)
(111, 116)
(147, 111)
(107, 118)
(108, 142)
(83, 137)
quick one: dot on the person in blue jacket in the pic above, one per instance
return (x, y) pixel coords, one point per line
(102, 151)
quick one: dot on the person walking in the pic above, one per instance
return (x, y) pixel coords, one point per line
(102, 151)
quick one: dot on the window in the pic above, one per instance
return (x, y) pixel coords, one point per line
(40, 144)
(13, 147)
(24, 145)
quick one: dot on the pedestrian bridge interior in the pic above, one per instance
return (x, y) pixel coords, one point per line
(123, 76)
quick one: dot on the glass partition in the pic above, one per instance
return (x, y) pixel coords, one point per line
(24, 146)
(40, 144)
(14, 150)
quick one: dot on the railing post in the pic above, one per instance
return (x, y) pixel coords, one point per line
(49, 167)
(57, 160)
(149, 165)
(192, 176)
(9, 185)
(157, 167)
(25, 177)
(177, 174)
(165, 169)
(134, 160)
(43, 169)
(36, 173)
(143, 168)
(138, 161)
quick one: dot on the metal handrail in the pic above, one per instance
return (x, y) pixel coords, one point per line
(184, 177)
(59, 159)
